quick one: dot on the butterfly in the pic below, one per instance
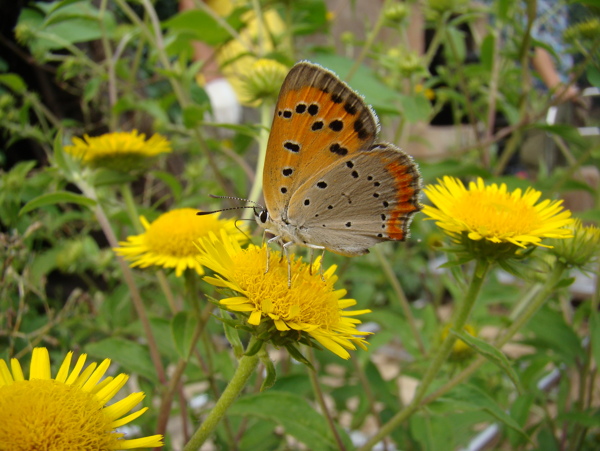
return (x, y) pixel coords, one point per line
(327, 183)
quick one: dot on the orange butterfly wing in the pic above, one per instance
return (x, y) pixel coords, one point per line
(318, 122)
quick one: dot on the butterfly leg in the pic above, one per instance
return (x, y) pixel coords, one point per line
(271, 240)
(321, 265)
(312, 255)
(286, 252)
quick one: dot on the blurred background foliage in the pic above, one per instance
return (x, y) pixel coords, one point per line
(73, 67)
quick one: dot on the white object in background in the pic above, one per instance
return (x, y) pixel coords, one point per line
(226, 108)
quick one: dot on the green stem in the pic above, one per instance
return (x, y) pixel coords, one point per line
(460, 319)
(266, 117)
(389, 272)
(131, 208)
(113, 119)
(371, 397)
(370, 40)
(524, 56)
(134, 217)
(136, 298)
(246, 367)
(314, 382)
(260, 28)
(175, 381)
(440, 29)
(541, 295)
(155, 40)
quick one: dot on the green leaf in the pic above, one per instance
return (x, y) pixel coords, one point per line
(201, 26)
(593, 75)
(58, 197)
(415, 108)
(232, 334)
(308, 16)
(293, 413)
(13, 82)
(381, 389)
(161, 327)
(171, 181)
(183, 325)
(91, 88)
(553, 333)
(271, 373)
(377, 94)
(588, 419)
(567, 132)
(456, 39)
(134, 357)
(520, 412)
(297, 355)
(504, 6)
(59, 155)
(491, 353)
(595, 336)
(258, 435)
(487, 51)
(564, 282)
(254, 347)
(470, 397)
(193, 116)
(61, 4)
(595, 3)
(574, 185)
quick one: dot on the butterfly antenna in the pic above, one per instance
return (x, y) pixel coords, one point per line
(235, 198)
(243, 232)
(202, 213)
(256, 204)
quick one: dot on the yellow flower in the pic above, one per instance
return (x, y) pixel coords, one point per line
(260, 36)
(311, 305)
(493, 214)
(263, 80)
(582, 248)
(585, 30)
(67, 412)
(122, 151)
(460, 350)
(169, 240)
(427, 92)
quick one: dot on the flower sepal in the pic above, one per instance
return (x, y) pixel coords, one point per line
(466, 249)
(298, 356)
(533, 269)
(270, 371)
(232, 322)
(109, 177)
(254, 347)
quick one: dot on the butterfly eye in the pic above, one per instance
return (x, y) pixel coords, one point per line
(263, 216)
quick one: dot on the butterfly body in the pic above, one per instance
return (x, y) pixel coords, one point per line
(327, 184)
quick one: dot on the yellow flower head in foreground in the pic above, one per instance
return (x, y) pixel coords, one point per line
(493, 214)
(169, 241)
(121, 151)
(310, 305)
(582, 248)
(67, 412)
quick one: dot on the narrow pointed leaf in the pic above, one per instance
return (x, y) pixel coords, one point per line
(491, 353)
(59, 197)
